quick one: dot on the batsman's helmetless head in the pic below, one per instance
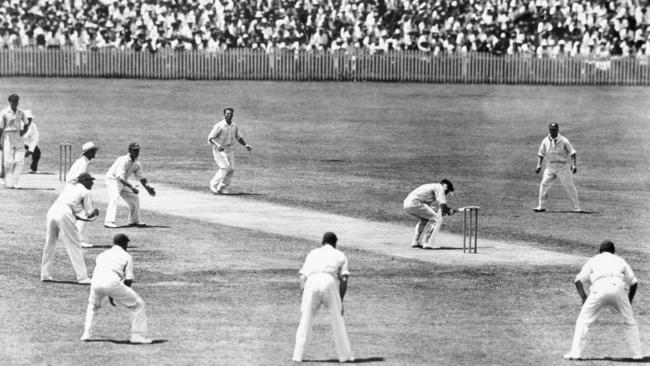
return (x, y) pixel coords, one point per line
(450, 186)
(330, 238)
(553, 129)
(13, 98)
(122, 240)
(607, 246)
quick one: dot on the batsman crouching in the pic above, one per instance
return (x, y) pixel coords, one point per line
(323, 279)
(421, 203)
(112, 278)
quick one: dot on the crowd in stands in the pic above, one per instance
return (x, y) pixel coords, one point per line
(542, 28)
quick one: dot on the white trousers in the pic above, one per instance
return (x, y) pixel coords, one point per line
(226, 162)
(322, 289)
(61, 223)
(609, 293)
(123, 295)
(429, 225)
(115, 190)
(13, 151)
(566, 178)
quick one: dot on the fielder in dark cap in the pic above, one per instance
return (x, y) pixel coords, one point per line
(112, 278)
(118, 185)
(324, 279)
(561, 163)
(609, 275)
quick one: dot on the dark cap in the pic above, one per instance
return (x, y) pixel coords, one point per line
(330, 238)
(448, 183)
(121, 239)
(84, 176)
(13, 97)
(134, 146)
(607, 246)
(554, 126)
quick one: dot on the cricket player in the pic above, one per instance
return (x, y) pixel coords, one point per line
(117, 185)
(561, 163)
(112, 278)
(222, 137)
(31, 140)
(428, 203)
(12, 127)
(609, 275)
(74, 203)
(323, 280)
(88, 152)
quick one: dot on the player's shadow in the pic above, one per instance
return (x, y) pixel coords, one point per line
(108, 246)
(139, 227)
(442, 248)
(239, 194)
(64, 282)
(34, 189)
(616, 359)
(572, 212)
(121, 341)
(356, 360)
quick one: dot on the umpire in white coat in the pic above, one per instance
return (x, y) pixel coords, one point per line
(74, 203)
(117, 185)
(609, 276)
(112, 278)
(324, 279)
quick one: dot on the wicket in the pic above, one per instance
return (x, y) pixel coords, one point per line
(470, 228)
(65, 160)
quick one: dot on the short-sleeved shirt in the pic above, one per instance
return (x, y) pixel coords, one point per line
(326, 259)
(78, 167)
(606, 265)
(428, 193)
(557, 152)
(12, 122)
(77, 197)
(224, 134)
(115, 261)
(123, 167)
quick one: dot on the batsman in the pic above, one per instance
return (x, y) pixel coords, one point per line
(428, 203)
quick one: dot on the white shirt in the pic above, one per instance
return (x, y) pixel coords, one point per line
(123, 167)
(31, 137)
(12, 121)
(224, 134)
(326, 259)
(77, 197)
(606, 265)
(557, 152)
(79, 166)
(115, 261)
(428, 193)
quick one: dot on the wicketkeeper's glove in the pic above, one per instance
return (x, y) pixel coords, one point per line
(151, 191)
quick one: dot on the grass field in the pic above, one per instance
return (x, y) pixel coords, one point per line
(225, 296)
